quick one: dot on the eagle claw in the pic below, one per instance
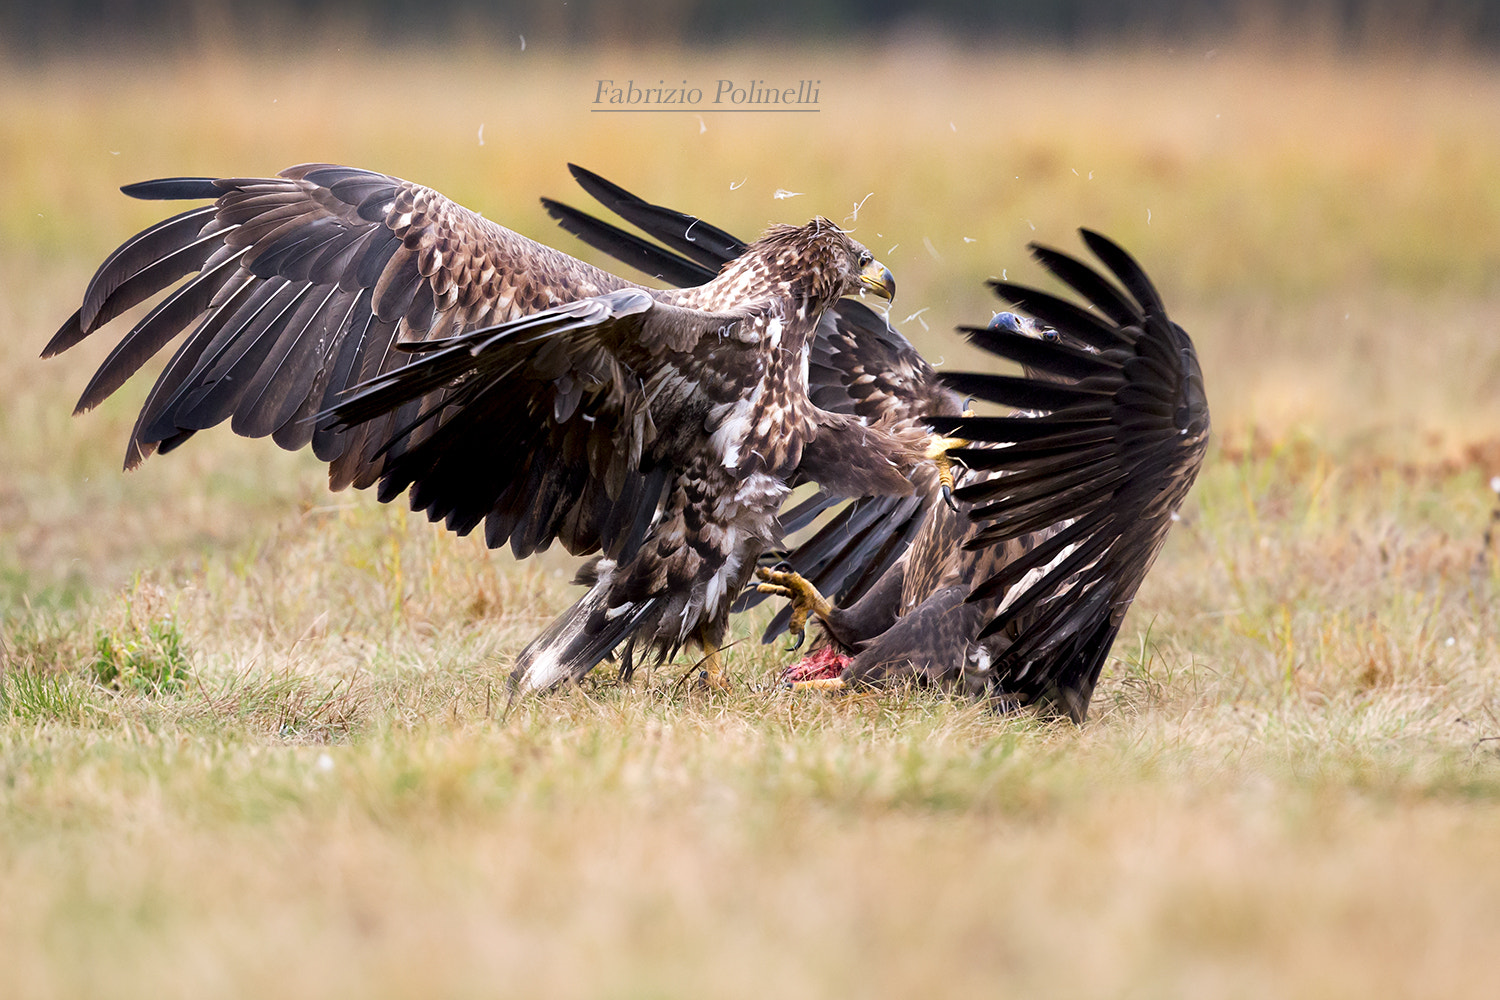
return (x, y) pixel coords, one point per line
(937, 451)
(804, 597)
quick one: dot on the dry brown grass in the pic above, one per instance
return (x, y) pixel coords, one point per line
(1291, 785)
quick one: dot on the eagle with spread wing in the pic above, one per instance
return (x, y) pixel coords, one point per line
(1017, 583)
(422, 349)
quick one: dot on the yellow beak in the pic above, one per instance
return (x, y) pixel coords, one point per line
(878, 278)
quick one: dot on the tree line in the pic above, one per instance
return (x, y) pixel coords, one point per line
(37, 29)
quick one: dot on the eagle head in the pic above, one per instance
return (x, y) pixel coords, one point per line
(1025, 326)
(821, 263)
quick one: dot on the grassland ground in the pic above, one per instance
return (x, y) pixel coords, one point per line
(253, 735)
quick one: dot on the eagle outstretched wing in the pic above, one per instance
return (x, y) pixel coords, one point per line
(304, 284)
(326, 277)
(1020, 592)
(1089, 477)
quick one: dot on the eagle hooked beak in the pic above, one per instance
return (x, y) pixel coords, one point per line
(878, 278)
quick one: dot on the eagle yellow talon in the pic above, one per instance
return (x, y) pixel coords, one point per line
(937, 451)
(804, 596)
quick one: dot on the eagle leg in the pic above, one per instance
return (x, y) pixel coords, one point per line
(937, 450)
(804, 597)
(818, 684)
(711, 672)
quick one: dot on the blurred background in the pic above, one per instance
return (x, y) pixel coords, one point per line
(1315, 187)
(45, 28)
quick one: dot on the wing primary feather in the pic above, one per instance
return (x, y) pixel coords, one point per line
(328, 444)
(138, 252)
(1088, 283)
(277, 385)
(303, 394)
(153, 278)
(1020, 392)
(816, 554)
(628, 248)
(70, 333)
(174, 189)
(856, 560)
(223, 387)
(1100, 457)
(159, 421)
(807, 511)
(1031, 518)
(708, 245)
(1091, 533)
(1125, 267)
(1070, 465)
(153, 332)
(182, 366)
(1013, 455)
(867, 564)
(1025, 429)
(1086, 480)
(1051, 501)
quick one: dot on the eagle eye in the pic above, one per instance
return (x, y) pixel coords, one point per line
(866, 258)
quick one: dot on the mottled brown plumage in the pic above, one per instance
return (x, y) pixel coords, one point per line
(1019, 589)
(417, 345)
(859, 367)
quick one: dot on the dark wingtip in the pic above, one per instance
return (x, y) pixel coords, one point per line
(173, 189)
(1126, 268)
(590, 181)
(1097, 240)
(69, 334)
(136, 452)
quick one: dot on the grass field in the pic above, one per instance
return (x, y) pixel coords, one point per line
(251, 737)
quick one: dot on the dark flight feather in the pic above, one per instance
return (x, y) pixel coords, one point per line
(1107, 512)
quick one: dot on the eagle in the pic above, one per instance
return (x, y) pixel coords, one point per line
(1015, 584)
(422, 349)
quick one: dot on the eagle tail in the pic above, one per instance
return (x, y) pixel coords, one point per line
(579, 638)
